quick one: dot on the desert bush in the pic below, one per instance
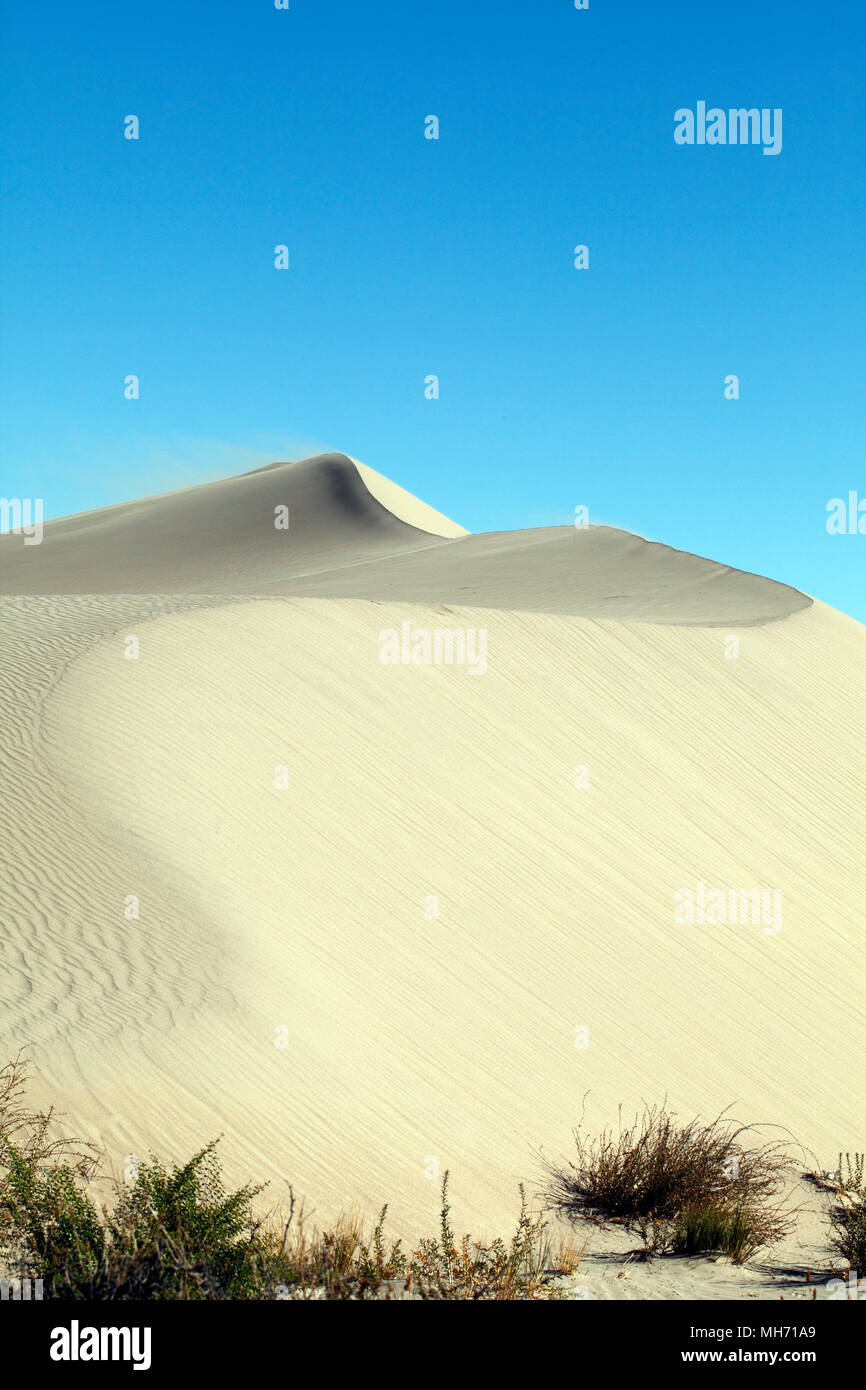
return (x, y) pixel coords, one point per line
(848, 1237)
(174, 1233)
(682, 1185)
(28, 1132)
(848, 1215)
(523, 1268)
(43, 1207)
(180, 1229)
(51, 1226)
(850, 1173)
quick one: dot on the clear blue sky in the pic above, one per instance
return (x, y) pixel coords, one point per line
(559, 387)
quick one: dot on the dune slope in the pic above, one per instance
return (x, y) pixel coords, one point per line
(357, 916)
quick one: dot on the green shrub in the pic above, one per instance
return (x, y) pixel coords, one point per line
(715, 1230)
(172, 1233)
(51, 1226)
(848, 1237)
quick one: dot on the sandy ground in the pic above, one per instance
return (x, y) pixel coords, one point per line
(615, 1265)
(371, 921)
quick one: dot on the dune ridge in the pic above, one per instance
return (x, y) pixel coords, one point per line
(343, 541)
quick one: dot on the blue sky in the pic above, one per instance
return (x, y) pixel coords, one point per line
(411, 257)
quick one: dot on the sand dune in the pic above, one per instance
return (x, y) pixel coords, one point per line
(342, 541)
(397, 864)
(222, 537)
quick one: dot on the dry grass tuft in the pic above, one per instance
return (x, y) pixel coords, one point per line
(688, 1188)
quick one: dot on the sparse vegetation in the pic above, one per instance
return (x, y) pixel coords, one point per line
(521, 1269)
(687, 1188)
(175, 1233)
(850, 1173)
(848, 1216)
(848, 1237)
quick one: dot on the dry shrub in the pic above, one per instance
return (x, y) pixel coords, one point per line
(696, 1186)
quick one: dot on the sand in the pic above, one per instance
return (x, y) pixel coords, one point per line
(397, 918)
